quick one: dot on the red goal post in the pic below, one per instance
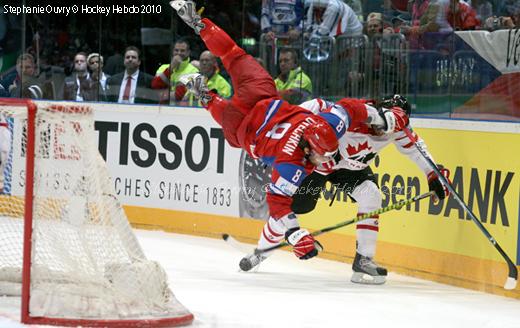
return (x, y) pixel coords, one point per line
(71, 248)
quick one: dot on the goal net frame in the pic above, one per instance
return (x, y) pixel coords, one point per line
(152, 320)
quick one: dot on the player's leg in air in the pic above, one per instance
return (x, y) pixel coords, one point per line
(251, 82)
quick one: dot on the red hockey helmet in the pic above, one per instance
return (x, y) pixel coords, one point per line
(321, 138)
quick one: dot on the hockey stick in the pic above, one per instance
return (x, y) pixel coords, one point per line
(397, 205)
(513, 271)
(239, 246)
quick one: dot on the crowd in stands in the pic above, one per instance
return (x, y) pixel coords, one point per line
(122, 79)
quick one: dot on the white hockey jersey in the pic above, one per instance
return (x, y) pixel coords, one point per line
(360, 145)
(281, 15)
(332, 18)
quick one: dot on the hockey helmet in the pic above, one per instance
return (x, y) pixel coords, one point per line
(397, 101)
(321, 138)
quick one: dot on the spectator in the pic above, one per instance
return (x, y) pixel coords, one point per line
(131, 86)
(512, 21)
(399, 5)
(78, 86)
(281, 18)
(209, 68)
(22, 80)
(514, 12)
(215, 81)
(461, 16)
(332, 18)
(383, 66)
(375, 26)
(483, 8)
(98, 77)
(167, 76)
(292, 84)
(397, 22)
(424, 19)
(357, 7)
(389, 10)
(494, 23)
(114, 62)
(417, 8)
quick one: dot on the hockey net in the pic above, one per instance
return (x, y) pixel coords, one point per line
(80, 264)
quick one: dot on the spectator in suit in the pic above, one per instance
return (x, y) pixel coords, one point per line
(131, 86)
(99, 78)
(78, 86)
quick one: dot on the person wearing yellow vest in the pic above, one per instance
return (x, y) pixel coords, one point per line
(292, 84)
(168, 75)
(216, 82)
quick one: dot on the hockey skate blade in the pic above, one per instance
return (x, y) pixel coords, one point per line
(510, 283)
(366, 279)
(177, 4)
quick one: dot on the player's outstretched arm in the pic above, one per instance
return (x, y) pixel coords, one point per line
(407, 148)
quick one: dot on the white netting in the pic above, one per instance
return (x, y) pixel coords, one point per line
(86, 261)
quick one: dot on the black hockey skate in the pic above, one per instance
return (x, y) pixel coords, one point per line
(187, 12)
(251, 261)
(366, 271)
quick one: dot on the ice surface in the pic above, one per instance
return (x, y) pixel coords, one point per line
(287, 292)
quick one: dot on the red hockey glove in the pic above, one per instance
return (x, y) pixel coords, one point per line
(436, 185)
(304, 245)
(180, 91)
(395, 119)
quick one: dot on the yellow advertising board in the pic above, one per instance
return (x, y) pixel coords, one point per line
(484, 171)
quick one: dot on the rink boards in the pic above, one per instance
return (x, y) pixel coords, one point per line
(173, 171)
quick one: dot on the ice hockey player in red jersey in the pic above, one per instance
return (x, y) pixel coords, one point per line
(352, 174)
(289, 138)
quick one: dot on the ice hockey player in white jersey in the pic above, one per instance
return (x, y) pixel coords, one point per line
(331, 18)
(352, 174)
(5, 147)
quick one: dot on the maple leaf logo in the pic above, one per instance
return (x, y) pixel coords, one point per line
(352, 150)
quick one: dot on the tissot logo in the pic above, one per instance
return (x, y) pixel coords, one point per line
(168, 146)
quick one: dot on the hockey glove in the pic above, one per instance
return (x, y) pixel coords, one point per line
(436, 185)
(304, 244)
(395, 119)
